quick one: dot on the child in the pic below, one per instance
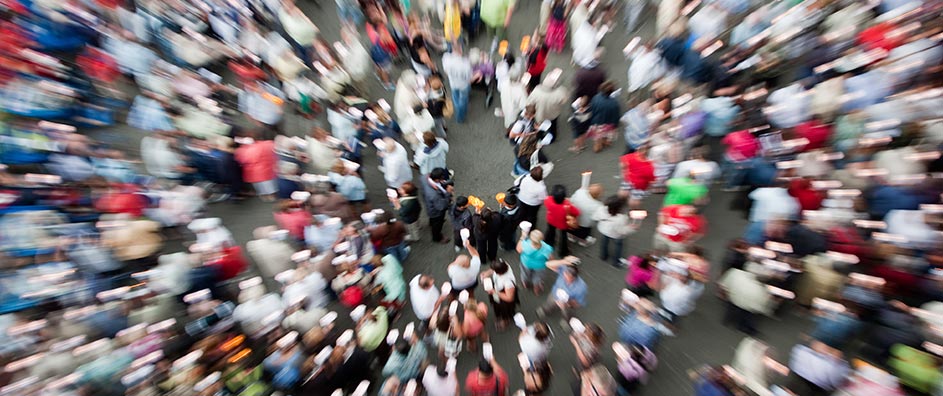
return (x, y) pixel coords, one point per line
(556, 28)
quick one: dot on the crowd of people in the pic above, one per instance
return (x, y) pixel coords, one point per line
(817, 117)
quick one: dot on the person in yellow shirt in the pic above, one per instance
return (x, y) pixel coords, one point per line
(452, 22)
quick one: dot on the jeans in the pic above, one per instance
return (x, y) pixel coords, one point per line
(735, 172)
(460, 103)
(435, 225)
(563, 248)
(531, 277)
(604, 249)
(398, 251)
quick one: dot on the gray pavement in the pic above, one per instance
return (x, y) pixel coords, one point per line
(482, 161)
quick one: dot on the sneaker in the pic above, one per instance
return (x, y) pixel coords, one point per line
(588, 241)
(457, 249)
(571, 238)
(407, 249)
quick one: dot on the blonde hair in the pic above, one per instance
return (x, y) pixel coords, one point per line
(536, 237)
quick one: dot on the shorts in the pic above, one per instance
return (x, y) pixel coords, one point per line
(602, 131)
(267, 187)
(634, 193)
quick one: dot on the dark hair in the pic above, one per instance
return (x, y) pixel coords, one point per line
(439, 174)
(441, 369)
(461, 201)
(409, 188)
(541, 331)
(402, 347)
(429, 138)
(500, 267)
(607, 88)
(558, 192)
(510, 200)
(537, 173)
(485, 220)
(595, 333)
(615, 204)
(484, 367)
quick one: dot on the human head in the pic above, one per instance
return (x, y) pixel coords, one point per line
(500, 267)
(461, 202)
(558, 193)
(484, 368)
(537, 173)
(607, 88)
(530, 111)
(407, 189)
(615, 204)
(429, 139)
(462, 261)
(426, 281)
(595, 190)
(536, 237)
(510, 201)
(570, 274)
(439, 174)
(402, 347)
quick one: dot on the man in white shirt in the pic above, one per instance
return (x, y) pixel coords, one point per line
(396, 170)
(699, 169)
(458, 68)
(532, 194)
(679, 294)
(463, 272)
(788, 106)
(535, 343)
(585, 41)
(587, 201)
(423, 295)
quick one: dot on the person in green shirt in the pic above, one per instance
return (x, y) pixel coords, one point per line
(371, 331)
(496, 14)
(684, 191)
(388, 275)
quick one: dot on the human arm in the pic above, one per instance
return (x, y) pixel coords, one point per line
(555, 265)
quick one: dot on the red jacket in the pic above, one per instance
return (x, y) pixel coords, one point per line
(258, 161)
(809, 199)
(556, 213)
(230, 263)
(636, 171)
(815, 132)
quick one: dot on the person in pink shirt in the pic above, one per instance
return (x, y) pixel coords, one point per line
(258, 159)
(291, 216)
(742, 147)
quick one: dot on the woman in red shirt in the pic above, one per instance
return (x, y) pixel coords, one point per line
(558, 208)
(293, 218)
(809, 198)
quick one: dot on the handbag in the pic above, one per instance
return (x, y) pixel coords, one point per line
(449, 109)
(571, 221)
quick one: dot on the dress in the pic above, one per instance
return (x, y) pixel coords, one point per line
(556, 29)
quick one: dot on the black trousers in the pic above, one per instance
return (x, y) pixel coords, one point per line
(435, 225)
(529, 213)
(740, 318)
(562, 246)
(488, 247)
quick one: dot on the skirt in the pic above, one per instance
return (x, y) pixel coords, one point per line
(556, 35)
(602, 131)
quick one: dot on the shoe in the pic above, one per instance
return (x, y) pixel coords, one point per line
(218, 198)
(407, 249)
(586, 242)
(624, 262)
(457, 249)
(571, 238)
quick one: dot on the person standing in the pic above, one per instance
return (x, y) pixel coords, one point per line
(258, 167)
(461, 218)
(464, 271)
(549, 99)
(458, 68)
(532, 194)
(605, 119)
(487, 227)
(560, 213)
(406, 203)
(510, 220)
(396, 170)
(568, 292)
(489, 379)
(535, 253)
(638, 173)
(432, 155)
(586, 199)
(424, 296)
(496, 15)
(502, 292)
(438, 195)
(614, 226)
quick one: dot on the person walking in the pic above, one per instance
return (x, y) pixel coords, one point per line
(438, 196)
(586, 199)
(614, 226)
(458, 68)
(501, 285)
(406, 203)
(532, 194)
(606, 117)
(561, 218)
(258, 167)
(487, 227)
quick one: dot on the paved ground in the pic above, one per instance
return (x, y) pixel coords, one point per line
(482, 161)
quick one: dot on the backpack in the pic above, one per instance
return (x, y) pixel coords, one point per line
(352, 296)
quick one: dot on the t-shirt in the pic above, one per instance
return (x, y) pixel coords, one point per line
(637, 171)
(423, 301)
(436, 385)
(535, 258)
(493, 12)
(684, 191)
(741, 145)
(494, 385)
(678, 228)
(772, 203)
(464, 277)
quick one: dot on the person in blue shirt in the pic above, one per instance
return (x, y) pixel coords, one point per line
(568, 292)
(641, 325)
